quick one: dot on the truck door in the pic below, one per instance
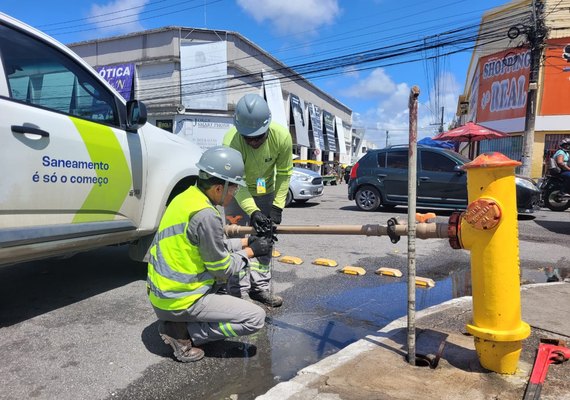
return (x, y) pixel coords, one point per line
(66, 160)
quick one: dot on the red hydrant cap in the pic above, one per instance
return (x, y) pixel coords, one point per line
(483, 214)
(491, 159)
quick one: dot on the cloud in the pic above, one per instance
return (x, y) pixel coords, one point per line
(120, 16)
(292, 16)
(377, 83)
(390, 113)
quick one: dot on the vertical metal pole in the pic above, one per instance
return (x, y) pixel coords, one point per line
(387, 133)
(412, 187)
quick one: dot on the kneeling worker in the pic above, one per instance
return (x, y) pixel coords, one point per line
(191, 260)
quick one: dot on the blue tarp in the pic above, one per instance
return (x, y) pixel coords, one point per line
(436, 143)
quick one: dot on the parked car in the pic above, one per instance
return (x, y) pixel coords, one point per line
(380, 178)
(305, 185)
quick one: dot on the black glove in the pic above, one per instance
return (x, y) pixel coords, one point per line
(261, 246)
(275, 214)
(260, 223)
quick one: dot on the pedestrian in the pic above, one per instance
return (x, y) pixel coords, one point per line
(339, 173)
(267, 149)
(347, 173)
(191, 261)
(562, 156)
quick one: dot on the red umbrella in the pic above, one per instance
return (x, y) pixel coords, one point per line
(470, 132)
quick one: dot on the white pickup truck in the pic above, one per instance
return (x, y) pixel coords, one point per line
(80, 168)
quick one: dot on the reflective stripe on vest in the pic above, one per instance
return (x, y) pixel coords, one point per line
(177, 275)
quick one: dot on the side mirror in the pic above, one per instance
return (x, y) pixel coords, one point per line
(458, 169)
(136, 115)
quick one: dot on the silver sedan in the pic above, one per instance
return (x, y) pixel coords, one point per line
(305, 184)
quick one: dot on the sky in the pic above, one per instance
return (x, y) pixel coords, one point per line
(303, 32)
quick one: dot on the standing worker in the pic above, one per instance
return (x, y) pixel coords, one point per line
(267, 151)
(191, 260)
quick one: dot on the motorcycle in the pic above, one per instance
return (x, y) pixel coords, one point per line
(550, 188)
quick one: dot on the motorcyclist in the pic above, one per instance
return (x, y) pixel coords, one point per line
(562, 156)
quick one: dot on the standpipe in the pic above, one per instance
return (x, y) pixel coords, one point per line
(488, 228)
(425, 230)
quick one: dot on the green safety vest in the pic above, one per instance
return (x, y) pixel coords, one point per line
(177, 275)
(272, 161)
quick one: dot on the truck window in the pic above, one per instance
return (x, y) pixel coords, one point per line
(39, 75)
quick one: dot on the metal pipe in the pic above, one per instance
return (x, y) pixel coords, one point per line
(412, 193)
(424, 230)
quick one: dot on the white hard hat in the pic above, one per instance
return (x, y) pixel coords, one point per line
(252, 115)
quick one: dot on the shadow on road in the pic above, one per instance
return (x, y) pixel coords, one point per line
(561, 227)
(34, 288)
(219, 349)
(307, 204)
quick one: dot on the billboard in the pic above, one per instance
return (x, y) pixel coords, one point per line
(317, 125)
(341, 134)
(119, 76)
(203, 74)
(204, 130)
(329, 129)
(556, 86)
(301, 120)
(503, 85)
(274, 97)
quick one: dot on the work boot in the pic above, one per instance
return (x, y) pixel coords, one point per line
(245, 296)
(265, 297)
(176, 335)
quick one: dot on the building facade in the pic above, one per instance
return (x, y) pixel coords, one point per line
(497, 84)
(191, 79)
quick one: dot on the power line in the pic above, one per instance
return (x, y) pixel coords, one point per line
(135, 19)
(373, 56)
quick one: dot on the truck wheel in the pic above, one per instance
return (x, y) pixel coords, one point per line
(554, 202)
(368, 198)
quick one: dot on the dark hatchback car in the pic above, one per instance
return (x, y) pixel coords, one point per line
(380, 178)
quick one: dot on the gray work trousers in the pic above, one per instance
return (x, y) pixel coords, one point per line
(257, 276)
(217, 317)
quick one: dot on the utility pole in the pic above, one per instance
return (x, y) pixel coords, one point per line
(387, 136)
(440, 124)
(536, 33)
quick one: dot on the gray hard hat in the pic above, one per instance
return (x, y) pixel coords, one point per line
(222, 162)
(565, 142)
(252, 115)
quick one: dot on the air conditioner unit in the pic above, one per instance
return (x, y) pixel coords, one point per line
(181, 109)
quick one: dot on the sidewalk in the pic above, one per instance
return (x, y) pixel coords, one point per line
(375, 367)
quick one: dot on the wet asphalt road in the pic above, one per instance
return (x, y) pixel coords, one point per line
(82, 327)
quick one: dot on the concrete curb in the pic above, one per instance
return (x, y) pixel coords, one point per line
(310, 375)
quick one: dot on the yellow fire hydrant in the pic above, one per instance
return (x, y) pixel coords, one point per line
(488, 228)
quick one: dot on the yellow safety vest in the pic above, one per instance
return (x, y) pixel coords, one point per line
(177, 276)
